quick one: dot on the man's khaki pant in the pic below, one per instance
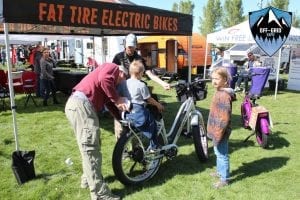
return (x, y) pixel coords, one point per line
(85, 123)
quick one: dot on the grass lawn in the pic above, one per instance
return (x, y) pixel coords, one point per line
(256, 173)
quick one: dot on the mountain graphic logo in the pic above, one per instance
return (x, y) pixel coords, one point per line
(270, 28)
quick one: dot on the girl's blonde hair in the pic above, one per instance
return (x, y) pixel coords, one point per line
(136, 67)
(223, 72)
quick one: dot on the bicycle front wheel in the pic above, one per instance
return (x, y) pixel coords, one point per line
(200, 142)
(132, 162)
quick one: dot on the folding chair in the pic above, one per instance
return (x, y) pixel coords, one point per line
(4, 92)
(29, 87)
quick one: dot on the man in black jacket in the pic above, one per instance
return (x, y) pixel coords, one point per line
(125, 58)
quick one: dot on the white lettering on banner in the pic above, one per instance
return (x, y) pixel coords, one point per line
(241, 38)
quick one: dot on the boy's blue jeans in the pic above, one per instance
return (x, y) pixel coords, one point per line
(143, 120)
(221, 152)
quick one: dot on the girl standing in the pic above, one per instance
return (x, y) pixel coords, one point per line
(219, 123)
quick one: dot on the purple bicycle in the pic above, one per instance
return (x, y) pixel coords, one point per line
(256, 117)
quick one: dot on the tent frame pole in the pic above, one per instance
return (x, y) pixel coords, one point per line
(190, 59)
(10, 84)
(205, 59)
(277, 73)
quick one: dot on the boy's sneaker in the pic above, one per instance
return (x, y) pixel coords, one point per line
(214, 174)
(220, 184)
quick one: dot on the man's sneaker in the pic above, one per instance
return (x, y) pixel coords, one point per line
(109, 196)
(220, 184)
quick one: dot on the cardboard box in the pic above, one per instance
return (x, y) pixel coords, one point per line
(254, 114)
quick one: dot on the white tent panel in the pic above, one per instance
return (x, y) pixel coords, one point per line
(241, 33)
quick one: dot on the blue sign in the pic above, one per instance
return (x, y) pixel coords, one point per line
(270, 28)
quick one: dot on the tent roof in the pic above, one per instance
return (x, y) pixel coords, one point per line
(78, 17)
(241, 34)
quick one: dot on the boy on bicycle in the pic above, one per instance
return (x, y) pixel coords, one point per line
(139, 95)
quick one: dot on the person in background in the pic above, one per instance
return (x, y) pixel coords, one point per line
(219, 123)
(245, 72)
(46, 77)
(37, 55)
(3, 57)
(139, 95)
(89, 96)
(127, 56)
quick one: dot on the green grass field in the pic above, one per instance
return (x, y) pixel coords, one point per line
(256, 173)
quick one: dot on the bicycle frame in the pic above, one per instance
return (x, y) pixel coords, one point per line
(186, 116)
(257, 118)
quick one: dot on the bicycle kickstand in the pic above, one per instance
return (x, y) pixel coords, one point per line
(247, 138)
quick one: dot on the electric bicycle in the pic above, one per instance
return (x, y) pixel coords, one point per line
(254, 116)
(134, 162)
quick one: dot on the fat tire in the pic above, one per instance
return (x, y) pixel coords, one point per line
(200, 142)
(262, 138)
(142, 174)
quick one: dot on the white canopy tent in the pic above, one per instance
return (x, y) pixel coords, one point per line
(241, 34)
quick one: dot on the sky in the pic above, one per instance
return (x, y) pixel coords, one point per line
(248, 5)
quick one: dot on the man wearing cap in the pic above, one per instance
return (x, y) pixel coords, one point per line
(125, 58)
(130, 54)
(89, 96)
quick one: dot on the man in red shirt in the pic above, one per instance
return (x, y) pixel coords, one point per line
(89, 96)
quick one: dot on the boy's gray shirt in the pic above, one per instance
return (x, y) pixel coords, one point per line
(138, 91)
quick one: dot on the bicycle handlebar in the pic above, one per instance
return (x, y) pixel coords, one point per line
(183, 82)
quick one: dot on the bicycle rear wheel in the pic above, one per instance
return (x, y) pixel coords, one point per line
(262, 133)
(132, 162)
(200, 142)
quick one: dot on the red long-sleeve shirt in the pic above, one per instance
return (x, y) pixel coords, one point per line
(99, 86)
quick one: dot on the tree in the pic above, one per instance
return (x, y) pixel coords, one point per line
(296, 20)
(280, 4)
(184, 6)
(175, 7)
(212, 14)
(233, 13)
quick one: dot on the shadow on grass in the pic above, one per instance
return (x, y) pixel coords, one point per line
(31, 108)
(239, 144)
(46, 177)
(276, 141)
(257, 167)
(180, 165)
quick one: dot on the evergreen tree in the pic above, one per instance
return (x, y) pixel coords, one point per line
(211, 19)
(280, 4)
(233, 13)
(184, 6)
(296, 20)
